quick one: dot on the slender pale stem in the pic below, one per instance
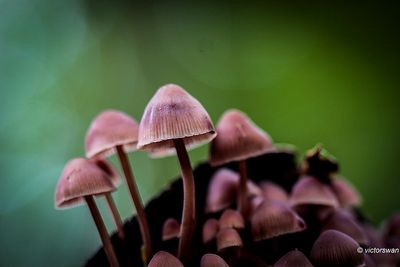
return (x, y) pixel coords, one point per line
(115, 215)
(108, 248)
(243, 204)
(189, 205)
(137, 202)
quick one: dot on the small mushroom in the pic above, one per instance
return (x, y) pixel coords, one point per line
(223, 190)
(342, 221)
(210, 230)
(272, 219)
(231, 219)
(228, 237)
(347, 195)
(79, 182)
(273, 191)
(115, 132)
(171, 229)
(174, 121)
(293, 258)
(212, 260)
(336, 249)
(239, 139)
(310, 191)
(115, 179)
(164, 259)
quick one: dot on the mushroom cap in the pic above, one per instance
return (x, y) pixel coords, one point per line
(171, 229)
(164, 259)
(238, 139)
(334, 248)
(81, 178)
(109, 169)
(273, 191)
(273, 219)
(212, 260)
(210, 230)
(344, 222)
(171, 114)
(228, 237)
(108, 130)
(310, 191)
(223, 190)
(293, 258)
(231, 219)
(347, 195)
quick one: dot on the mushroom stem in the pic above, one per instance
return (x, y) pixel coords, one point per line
(115, 215)
(141, 215)
(243, 203)
(188, 223)
(108, 248)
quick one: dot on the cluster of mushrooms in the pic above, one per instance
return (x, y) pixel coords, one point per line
(250, 205)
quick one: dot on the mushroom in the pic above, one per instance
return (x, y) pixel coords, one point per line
(164, 259)
(347, 195)
(344, 222)
(79, 182)
(293, 258)
(239, 139)
(212, 260)
(272, 219)
(336, 249)
(175, 121)
(115, 179)
(223, 189)
(115, 132)
(231, 219)
(273, 191)
(171, 229)
(309, 192)
(228, 237)
(210, 230)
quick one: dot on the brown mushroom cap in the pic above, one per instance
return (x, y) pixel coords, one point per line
(171, 114)
(212, 260)
(108, 130)
(223, 190)
(228, 237)
(310, 191)
(238, 139)
(164, 259)
(334, 248)
(273, 191)
(344, 222)
(108, 169)
(347, 195)
(210, 230)
(293, 258)
(273, 219)
(171, 229)
(80, 178)
(231, 219)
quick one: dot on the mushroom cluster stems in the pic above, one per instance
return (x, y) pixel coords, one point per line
(142, 219)
(188, 223)
(108, 248)
(115, 214)
(243, 199)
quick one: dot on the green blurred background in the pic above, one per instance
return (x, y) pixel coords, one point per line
(306, 72)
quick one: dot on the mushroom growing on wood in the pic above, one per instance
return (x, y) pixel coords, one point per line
(79, 182)
(115, 132)
(174, 121)
(239, 139)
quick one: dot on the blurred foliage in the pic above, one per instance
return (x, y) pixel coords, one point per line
(307, 73)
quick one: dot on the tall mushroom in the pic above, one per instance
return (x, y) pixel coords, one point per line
(239, 139)
(174, 121)
(115, 132)
(79, 182)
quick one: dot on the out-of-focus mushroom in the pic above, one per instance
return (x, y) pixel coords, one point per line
(239, 139)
